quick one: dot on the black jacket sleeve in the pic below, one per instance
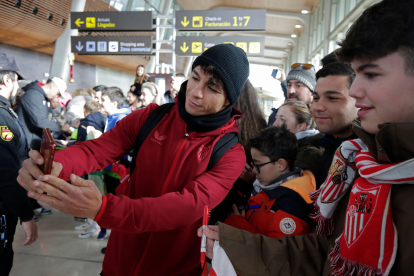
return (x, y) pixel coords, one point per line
(12, 195)
(82, 131)
(32, 105)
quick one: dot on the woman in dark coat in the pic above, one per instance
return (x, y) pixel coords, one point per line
(140, 78)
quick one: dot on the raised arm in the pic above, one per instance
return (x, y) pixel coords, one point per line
(96, 154)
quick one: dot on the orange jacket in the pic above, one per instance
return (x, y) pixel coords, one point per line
(283, 210)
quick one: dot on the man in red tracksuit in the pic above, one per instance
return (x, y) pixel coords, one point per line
(154, 223)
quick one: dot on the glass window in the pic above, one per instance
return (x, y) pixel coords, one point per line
(353, 4)
(157, 5)
(333, 17)
(347, 7)
(138, 5)
(120, 5)
(338, 14)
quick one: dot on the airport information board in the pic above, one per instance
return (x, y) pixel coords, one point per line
(196, 45)
(221, 20)
(211, 20)
(111, 21)
(112, 45)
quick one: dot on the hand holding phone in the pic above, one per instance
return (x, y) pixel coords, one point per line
(47, 150)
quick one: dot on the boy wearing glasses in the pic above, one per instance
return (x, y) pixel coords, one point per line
(280, 204)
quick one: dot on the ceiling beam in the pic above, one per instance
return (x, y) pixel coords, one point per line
(266, 63)
(304, 18)
(247, 33)
(283, 52)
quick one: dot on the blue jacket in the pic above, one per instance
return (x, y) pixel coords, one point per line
(120, 114)
(113, 119)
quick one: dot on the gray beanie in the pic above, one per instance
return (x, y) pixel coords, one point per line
(305, 76)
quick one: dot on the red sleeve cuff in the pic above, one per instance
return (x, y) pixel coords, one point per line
(102, 210)
(240, 222)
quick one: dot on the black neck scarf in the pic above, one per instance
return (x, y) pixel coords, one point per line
(201, 123)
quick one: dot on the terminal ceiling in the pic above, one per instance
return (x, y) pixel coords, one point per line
(20, 27)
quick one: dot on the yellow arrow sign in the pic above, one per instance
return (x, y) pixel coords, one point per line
(78, 22)
(184, 48)
(185, 22)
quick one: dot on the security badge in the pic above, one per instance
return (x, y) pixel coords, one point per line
(6, 133)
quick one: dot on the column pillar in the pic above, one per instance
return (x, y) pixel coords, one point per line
(60, 61)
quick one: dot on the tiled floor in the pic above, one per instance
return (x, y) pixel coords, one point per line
(58, 251)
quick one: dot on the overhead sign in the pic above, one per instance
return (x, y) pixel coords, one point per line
(111, 21)
(112, 45)
(221, 20)
(195, 45)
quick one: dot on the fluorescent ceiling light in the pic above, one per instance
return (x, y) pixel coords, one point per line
(305, 11)
(293, 35)
(298, 26)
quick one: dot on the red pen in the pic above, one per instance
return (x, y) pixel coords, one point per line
(204, 238)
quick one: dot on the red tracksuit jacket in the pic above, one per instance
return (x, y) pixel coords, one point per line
(154, 225)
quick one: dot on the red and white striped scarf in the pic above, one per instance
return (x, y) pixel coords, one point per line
(220, 265)
(368, 244)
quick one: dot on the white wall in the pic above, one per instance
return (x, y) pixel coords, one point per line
(109, 77)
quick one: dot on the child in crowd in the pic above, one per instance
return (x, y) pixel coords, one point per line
(94, 122)
(279, 204)
(297, 117)
(112, 104)
(150, 94)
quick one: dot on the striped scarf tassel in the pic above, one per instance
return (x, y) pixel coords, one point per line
(325, 226)
(345, 267)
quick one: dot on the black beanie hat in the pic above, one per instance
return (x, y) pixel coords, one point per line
(231, 64)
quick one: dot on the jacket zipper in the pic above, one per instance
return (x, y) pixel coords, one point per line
(251, 215)
(164, 188)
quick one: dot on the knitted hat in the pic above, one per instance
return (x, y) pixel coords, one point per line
(305, 76)
(231, 64)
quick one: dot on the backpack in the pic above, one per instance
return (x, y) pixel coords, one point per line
(221, 147)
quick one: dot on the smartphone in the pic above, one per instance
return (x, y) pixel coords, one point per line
(47, 150)
(274, 73)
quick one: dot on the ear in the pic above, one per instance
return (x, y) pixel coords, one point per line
(283, 164)
(302, 127)
(227, 102)
(6, 80)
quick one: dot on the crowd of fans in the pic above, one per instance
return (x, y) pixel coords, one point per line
(274, 195)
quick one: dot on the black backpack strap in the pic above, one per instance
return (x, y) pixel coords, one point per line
(221, 147)
(153, 119)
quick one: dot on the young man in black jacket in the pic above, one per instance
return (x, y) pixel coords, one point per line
(333, 110)
(14, 203)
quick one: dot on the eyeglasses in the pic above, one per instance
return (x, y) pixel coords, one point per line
(257, 166)
(305, 66)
